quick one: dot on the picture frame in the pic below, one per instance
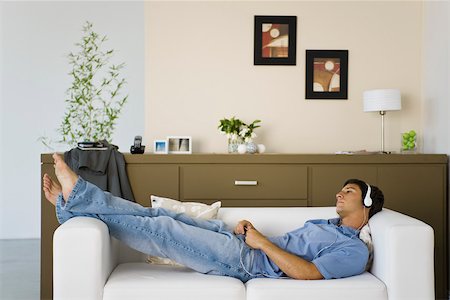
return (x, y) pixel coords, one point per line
(275, 40)
(179, 144)
(160, 147)
(326, 74)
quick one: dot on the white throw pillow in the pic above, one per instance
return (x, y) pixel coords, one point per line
(192, 209)
(366, 236)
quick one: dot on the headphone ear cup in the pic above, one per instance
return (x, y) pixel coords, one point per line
(367, 199)
(368, 202)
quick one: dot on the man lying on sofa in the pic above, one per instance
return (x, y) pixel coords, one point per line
(320, 249)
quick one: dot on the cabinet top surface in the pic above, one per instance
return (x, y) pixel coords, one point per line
(268, 158)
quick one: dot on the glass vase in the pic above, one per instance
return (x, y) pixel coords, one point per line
(408, 142)
(251, 147)
(233, 145)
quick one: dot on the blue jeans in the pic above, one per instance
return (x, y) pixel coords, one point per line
(206, 246)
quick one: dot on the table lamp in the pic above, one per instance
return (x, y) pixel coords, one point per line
(382, 101)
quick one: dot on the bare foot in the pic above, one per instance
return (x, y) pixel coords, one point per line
(51, 189)
(65, 176)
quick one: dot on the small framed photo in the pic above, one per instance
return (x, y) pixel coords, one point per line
(275, 40)
(160, 147)
(180, 144)
(326, 74)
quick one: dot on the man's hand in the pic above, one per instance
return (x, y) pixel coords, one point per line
(292, 265)
(255, 239)
(242, 227)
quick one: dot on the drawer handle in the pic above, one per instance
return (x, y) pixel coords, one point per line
(245, 182)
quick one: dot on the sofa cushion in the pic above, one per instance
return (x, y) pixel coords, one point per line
(264, 218)
(143, 281)
(364, 286)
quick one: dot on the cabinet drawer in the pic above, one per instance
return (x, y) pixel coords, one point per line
(244, 182)
(146, 180)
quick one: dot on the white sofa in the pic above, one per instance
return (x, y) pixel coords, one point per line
(89, 264)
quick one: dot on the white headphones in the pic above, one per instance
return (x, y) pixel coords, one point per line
(367, 199)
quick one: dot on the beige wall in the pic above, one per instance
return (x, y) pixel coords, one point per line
(436, 66)
(199, 69)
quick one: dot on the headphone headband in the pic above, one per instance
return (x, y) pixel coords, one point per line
(367, 199)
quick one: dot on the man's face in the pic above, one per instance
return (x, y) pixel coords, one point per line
(349, 199)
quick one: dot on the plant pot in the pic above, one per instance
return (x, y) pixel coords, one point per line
(233, 145)
(251, 147)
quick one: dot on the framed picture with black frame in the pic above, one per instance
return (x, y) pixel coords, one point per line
(275, 40)
(326, 74)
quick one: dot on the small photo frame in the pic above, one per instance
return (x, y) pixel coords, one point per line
(275, 40)
(179, 144)
(160, 147)
(326, 74)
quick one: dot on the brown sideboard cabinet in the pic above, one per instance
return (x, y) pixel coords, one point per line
(412, 184)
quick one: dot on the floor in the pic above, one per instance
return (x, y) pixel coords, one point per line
(19, 269)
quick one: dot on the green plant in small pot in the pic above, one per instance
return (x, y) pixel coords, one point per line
(231, 127)
(94, 100)
(247, 134)
(237, 132)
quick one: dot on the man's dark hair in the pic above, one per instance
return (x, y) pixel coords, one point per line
(376, 195)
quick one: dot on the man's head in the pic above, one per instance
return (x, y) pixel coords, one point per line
(355, 191)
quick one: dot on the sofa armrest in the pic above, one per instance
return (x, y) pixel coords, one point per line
(403, 255)
(84, 256)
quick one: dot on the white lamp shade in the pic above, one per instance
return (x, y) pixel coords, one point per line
(382, 100)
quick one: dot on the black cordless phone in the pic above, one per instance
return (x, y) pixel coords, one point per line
(137, 148)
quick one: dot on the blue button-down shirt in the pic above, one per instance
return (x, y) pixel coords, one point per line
(335, 250)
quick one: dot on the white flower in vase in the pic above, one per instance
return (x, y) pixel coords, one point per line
(244, 131)
(238, 132)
